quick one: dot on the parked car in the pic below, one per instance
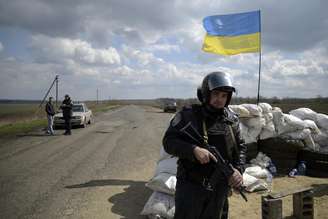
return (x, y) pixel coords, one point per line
(170, 106)
(81, 116)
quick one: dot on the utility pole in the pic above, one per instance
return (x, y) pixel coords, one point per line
(52, 84)
(56, 90)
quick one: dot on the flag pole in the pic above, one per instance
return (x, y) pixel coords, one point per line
(260, 57)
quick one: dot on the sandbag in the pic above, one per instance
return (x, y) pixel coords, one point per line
(258, 172)
(268, 133)
(163, 182)
(249, 134)
(268, 130)
(304, 135)
(253, 184)
(168, 165)
(289, 123)
(255, 122)
(253, 109)
(312, 126)
(159, 204)
(163, 154)
(261, 160)
(240, 110)
(266, 108)
(321, 139)
(322, 121)
(304, 113)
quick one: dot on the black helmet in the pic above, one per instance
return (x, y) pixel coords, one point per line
(215, 80)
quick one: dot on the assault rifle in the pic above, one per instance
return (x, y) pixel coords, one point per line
(222, 166)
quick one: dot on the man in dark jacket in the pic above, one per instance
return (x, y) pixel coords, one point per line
(220, 128)
(66, 107)
(50, 110)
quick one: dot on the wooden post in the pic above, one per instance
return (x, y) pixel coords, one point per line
(271, 208)
(303, 205)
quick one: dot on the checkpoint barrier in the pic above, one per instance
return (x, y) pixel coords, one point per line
(303, 205)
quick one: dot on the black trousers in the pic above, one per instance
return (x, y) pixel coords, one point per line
(68, 125)
(193, 201)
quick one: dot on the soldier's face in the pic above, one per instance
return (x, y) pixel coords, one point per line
(218, 98)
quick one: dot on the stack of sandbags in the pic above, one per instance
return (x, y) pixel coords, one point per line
(251, 121)
(317, 123)
(161, 203)
(263, 122)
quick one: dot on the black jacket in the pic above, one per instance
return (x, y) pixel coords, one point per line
(50, 109)
(219, 135)
(67, 108)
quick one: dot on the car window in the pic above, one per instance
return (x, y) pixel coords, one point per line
(77, 108)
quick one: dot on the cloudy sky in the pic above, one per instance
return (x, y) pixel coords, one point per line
(150, 49)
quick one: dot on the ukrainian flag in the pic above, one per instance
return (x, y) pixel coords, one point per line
(233, 33)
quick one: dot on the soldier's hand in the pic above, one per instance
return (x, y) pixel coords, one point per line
(203, 155)
(236, 179)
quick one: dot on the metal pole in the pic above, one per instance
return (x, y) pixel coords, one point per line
(57, 90)
(48, 92)
(260, 55)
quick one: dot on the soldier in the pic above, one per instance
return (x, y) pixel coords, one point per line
(212, 119)
(66, 106)
(50, 110)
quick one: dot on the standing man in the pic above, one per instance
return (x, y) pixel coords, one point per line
(50, 110)
(195, 198)
(67, 113)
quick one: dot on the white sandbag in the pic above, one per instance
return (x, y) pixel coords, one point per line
(253, 184)
(261, 160)
(253, 109)
(295, 122)
(168, 165)
(266, 108)
(304, 135)
(268, 132)
(268, 116)
(159, 204)
(289, 123)
(297, 135)
(254, 122)
(163, 154)
(163, 182)
(277, 115)
(245, 135)
(304, 113)
(321, 139)
(322, 121)
(312, 126)
(258, 172)
(240, 110)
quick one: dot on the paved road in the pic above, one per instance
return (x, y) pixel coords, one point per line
(98, 172)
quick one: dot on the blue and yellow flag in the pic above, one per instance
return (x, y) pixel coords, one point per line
(233, 33)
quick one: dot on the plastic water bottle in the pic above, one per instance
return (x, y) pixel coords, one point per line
(293, 172)
(301, 168)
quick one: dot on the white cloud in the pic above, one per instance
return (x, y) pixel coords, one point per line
(48, 49)
(163, 47)
(1, 47)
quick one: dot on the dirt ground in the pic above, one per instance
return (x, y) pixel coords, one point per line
(100, 171)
